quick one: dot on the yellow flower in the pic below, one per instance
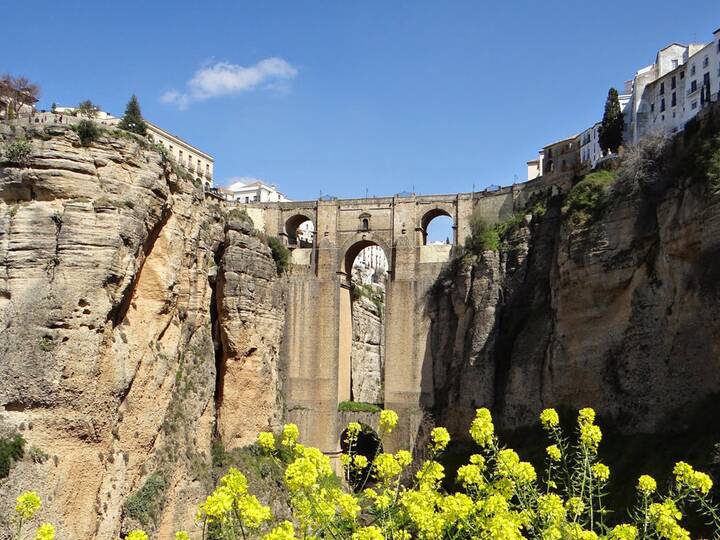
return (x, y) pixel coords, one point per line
(482, 429)
(550, 508)
(477, 459)
(586, 416)
(290, 434)
(301, 473)
(470, 475)
(235, 481)
(252, 512)
(351, 432)
(430, 474)
(136, 534)
(27, 504)
(506, 460)
(368, 533)
(266, 440)
(348, 505)
(575, 506)
(549, 418)
(284, 531)
(686, 476)
(646, 484)
(600, 472)
(404, 458)
(590, 436)
(388, 420)
(553, 452)
(216, 505)
(440, 438)
(664, 517)
(623, 532)
(345, 460)
(45, 532)
(360, 461)
(386, 466)
(701, 482)
(182, 535)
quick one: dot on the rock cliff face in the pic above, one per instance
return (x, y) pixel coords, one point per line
(137, 323)
(620, 315)
(367, 352)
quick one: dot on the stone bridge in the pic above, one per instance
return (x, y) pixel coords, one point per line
(318, 336)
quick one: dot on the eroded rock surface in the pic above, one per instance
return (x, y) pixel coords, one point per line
(107, 353)
(367, 351)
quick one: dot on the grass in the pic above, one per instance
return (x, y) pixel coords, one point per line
(146, 503)
(588, 199)
(11, 449)
(358, 406)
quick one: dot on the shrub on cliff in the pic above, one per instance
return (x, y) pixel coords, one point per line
(133, 120)
(18, 151)
(11, 449)
(482, 236)
(88, 131)
(280, 254)
(588, 198)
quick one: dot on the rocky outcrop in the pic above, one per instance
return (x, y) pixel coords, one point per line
(112, 332)
(367, 351)
(621, 315)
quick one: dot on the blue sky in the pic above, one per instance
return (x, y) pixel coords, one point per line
(341, 97)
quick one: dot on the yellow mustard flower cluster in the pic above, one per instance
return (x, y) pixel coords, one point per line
(27, 505)
(688, 478)
(496, 495)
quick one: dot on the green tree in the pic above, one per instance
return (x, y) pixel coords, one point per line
(613, 124)
(132, 120)
(87, 108)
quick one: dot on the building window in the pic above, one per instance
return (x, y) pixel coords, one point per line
(673, 100)
(662, 105)
(693, 86)
(662, 88)
(692, 69)
(247, 199)
(673, 82)
(706, 62)
(674, 64)
(365, 224)
(682, 75)
(693, 105)
(652, 107)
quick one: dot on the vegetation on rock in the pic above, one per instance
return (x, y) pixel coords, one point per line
(11, 449)
(588, 198)
(494, 495)
(358, 406)
(88, 131)
(18, 151)
(280, 254)
(133, 120)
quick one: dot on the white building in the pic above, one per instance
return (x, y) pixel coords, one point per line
(370, 265)
(590, 151)
(670, 92)
(255, 191)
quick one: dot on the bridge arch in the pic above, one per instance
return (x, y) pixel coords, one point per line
(293, 225)
(431, 215)
(355, 245)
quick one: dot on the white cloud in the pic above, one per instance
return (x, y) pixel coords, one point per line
(236, 182)
(224, 78)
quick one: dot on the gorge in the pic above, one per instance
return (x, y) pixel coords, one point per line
(144, 323)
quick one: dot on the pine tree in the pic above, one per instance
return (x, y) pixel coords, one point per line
(132, 120)
(613, 124)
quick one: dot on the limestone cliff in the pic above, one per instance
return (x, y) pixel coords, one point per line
(367, 351)
(137, 323)
(620, 314)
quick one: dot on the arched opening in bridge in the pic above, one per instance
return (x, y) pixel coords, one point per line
(300, 231)
(367, 444)
(438, 227)
(362, 331)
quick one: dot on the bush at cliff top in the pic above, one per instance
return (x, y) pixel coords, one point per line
(11, 449)
(498, 495)
(588, 198)
(482, 236)
(88, 131)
